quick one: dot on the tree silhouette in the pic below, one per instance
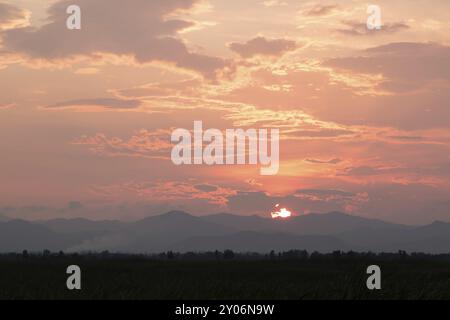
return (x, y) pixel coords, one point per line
(228, 254)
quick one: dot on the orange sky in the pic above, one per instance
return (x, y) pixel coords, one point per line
(86, 115)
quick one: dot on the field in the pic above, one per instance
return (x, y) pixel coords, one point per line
(144, 278)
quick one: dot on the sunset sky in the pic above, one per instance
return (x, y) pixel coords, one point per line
(86, 115)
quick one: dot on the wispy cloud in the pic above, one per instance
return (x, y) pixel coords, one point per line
(264, 47)
(96, 104)
(355, 28)
(12, 17)
(142, 143)
(319, 10)
(331, 161)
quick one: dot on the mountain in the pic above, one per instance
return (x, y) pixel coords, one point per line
(241, 223)
(79, 225)
(433, 238)
(180, 231)
(18, 235)
(436, 229)
(309, 224)
(249, 241)
(155, 233)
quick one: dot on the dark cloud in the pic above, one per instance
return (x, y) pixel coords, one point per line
(323, 192)
(263, 46)
(301, 201)
(331, 161)
(417, 78)
(321, 133)
(140, 28)
(23, 210)
(143, 143)
(406, 138)
(205, 187)
(11, 16)
(320, 10)
(107, 103)
(74, 205)
(373, 171)
(355, 28)
(363, 171)
(405, 65)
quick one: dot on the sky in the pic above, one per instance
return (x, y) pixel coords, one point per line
(86, 115)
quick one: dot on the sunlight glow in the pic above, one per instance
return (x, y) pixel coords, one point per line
(281, 213)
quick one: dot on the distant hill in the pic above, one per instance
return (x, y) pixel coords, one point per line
(433, 238)
(79, 225)
(241, 223)
(178, 224)
(156, 233)
(333, 223)
(159, 232)
(180, 231)
(17, 235)
(310, 224)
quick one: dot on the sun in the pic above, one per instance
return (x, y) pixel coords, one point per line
(282, 213)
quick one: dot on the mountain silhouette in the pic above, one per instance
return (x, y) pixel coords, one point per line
(310, 224)
(17, 235)
(181, 231)
(241, 223)
(78, 225)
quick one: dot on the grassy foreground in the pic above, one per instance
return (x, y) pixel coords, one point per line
(143, 278)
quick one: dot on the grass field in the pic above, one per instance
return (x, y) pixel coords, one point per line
(133, 278)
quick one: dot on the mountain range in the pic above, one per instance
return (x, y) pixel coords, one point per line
(183, 232)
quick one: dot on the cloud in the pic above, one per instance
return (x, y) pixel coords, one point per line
(6, 106)
(145, 30)
(205, 187)
(174, 192)
(142, 143)
(74, 205)
(99, 103)
(263, 46)
(301, 201)
(355, 28)
(319, 10)
(24, 212)
(190, 94)
(374, 170)
(274, 3)
(188, 87)
(406, 138)
(322, 194)
(362, 171)
(405, 66)
(12, 17)
(331, 161)
(321, 133)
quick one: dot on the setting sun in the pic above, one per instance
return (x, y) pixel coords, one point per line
(281, 213)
